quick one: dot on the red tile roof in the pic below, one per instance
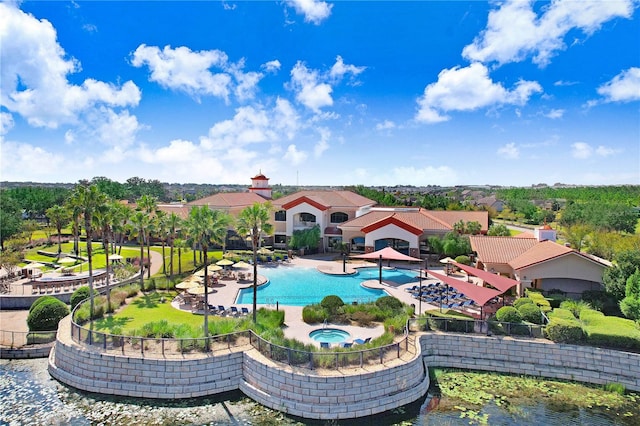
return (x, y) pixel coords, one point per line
(499, 249)
(332, 199)
(543, 251)
(229, 200)
(418, 219)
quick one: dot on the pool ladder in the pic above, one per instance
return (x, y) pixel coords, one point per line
(324, 324)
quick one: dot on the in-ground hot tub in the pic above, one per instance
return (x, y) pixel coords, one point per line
(329, 335)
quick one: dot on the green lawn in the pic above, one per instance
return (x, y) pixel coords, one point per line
(148, 308)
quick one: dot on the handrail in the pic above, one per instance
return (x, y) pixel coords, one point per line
(18, 339)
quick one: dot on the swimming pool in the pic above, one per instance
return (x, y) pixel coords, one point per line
(305, 286)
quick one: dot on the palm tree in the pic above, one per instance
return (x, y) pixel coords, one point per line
(149, 205)
(180, 244)
(161, 228)
(75, 205)
(173, 223)
(207, 226)
(121, 216)
(90, 200)
(138, 229)
(59, 215)
(254, 221)
(105, 218)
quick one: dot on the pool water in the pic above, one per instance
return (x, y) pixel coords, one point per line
(305, 286)
(329, 335)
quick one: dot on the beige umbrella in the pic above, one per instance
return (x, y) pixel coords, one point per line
(67, 260)
(210, 268)
(115, 257)
(242, 265)
(224, 262)
(264, 250)
(194, 278)
(199, 290)
(447, 260)
(185, 285)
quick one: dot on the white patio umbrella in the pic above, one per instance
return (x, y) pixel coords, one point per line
(185, 285)
(115, 257)
(199, 290)
(447, 260)
(264, 250)
(210, 268)
(224, 262)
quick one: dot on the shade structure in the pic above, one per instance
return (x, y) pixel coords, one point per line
(241, 265)
(224, 262)
(199, 290)
(185, 285)
(480, 295)
(387, 253)
(35, 265)
(501, 283)
(67, 260)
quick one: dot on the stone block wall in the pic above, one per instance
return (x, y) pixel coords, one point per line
(532, 357)
(144, 377)
(325, 397)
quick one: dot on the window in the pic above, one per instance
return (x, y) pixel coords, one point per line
(307, 217)
(281, 216)
(280, 239)
(339, 217)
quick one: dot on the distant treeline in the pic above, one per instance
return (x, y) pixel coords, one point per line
(625, 194)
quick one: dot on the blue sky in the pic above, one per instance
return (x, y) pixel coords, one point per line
(321, 93)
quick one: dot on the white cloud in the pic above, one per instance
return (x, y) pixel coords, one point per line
(624, 87)
(41, 163)
(515, 31)
(467, 89)
(554, 114)
(605, 151)
(310, 91)
(271, 66)
(314, 11)
(386, 125)
(294, 156)
(509, 151)
(322, 145)
(340, 69)
(6, 122)
(561, 83)
(581, 150)
(33, 76)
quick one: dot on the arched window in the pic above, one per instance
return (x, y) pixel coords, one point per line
(307, 217)
(281, 216)
(339, 217)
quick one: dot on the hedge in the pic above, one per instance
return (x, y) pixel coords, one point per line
(46, 315)
(563, 330)
(522, 301)
(601, 330)
(540, 300)
(40, 300)
(530, 313)
(508, 314)
(79, 295)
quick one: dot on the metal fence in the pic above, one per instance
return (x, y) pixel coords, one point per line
(19, 339)
(460, 325)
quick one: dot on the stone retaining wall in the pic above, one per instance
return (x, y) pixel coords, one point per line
(40, 351)
(532, 357)
(311, 396)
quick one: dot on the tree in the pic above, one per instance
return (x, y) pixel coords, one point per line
(90, 200)
(30, 226)
(615, 278)
(105, 219)
(149, 205)
(254, 222)
(138, 229)
(498, 230)
(59, 216)
(173, 224)
(207, 226)
(576, 235)
(10, 217)
(161, 228)
(630, 305)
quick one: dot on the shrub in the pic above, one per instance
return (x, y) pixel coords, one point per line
(312, 314)
(508, 314)
(389, 303)
(561, 330)
(39, 300)
(445, 322)
(46, 315)
(630, 307)
(601, 330)
(79, 295)
(363, 318)
(618, 388)
(562, 314)
(521, 301)
(331, 303)
(530, 313)
(601, 301)
(396, 324)
(575, 306)
(539, 299)
(465, 260)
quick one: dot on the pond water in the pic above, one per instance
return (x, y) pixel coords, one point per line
(29, 396)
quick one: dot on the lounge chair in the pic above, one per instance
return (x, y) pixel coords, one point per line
(234, 311)
(244, 311)
(325, 345)
(221, 310)
(347, 344)
(362, 342)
